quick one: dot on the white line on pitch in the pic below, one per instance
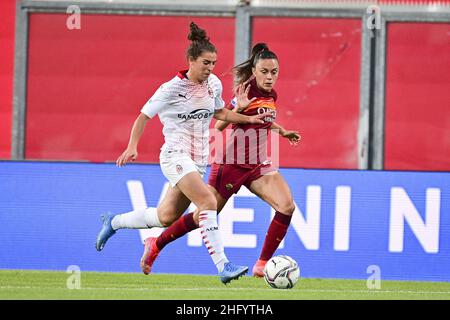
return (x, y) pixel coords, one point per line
(235, 289)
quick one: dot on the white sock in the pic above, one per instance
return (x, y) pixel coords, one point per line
(137, 219)
(212, 238)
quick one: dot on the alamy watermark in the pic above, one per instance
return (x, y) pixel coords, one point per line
(74, 279)
(373, 17)
(374, 280)
(73, 22)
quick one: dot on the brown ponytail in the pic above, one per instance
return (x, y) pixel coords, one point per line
(200, 42)
(242, 72)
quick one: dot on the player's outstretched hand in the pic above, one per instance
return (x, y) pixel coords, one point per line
(259, 118)
(129, 155)
(293, 136)
(242, 97)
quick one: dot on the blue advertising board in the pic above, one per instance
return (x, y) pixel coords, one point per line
(346, 224)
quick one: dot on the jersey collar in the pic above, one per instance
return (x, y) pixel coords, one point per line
(182, 74)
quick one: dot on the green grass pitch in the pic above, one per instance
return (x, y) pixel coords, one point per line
(35, 285)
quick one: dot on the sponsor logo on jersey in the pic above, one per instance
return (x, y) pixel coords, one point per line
(271, 117)
(179, 169)
(229, 186)
(196, 114)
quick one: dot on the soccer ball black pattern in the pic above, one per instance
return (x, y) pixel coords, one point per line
(281, 272)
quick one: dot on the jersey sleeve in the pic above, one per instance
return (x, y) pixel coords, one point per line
(160, 99)
(232, 104)
(217, 85)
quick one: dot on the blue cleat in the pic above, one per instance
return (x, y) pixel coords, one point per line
(231, 272)
(106, 232)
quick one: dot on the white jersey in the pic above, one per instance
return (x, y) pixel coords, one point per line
(185, 109)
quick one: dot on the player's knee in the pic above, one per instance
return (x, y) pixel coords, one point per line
(287, 208)
(166, 217)
(167, 221)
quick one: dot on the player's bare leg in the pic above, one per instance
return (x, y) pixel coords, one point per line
(177, 229)
(169, 210)
(198, 192)
(273, 189)
(186, 223)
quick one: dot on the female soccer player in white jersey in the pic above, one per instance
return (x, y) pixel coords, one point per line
(185, 106)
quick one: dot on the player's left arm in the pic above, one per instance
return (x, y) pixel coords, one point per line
(233, 117)
(221, 125)
(293, 136)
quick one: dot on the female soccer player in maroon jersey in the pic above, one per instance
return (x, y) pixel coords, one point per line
(255, 80)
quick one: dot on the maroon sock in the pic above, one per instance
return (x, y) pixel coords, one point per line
(277, 230)
(178, 229)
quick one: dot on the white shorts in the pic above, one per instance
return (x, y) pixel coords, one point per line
(176, 164)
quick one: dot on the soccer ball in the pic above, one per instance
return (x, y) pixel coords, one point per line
(281, 272)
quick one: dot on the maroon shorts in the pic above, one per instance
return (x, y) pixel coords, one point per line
(228, 178)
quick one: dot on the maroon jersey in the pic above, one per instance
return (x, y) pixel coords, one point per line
(247, 146)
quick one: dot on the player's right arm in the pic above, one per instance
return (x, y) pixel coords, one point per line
(130, 154)
(242, 103)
